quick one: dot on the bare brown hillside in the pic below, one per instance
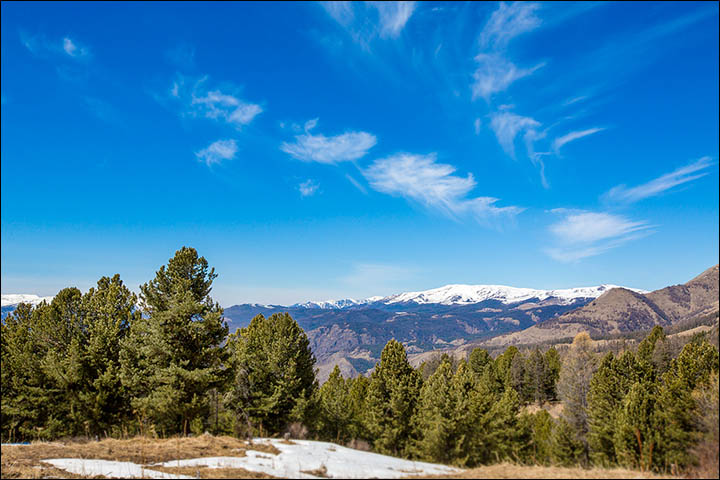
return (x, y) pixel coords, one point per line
(620, 310)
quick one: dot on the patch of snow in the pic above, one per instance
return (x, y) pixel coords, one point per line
(7, 299)
(305, 458)
(108, 468)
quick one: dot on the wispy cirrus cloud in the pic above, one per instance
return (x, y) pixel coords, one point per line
(657, 186)
(200, 100)
(421, 179)
(308, 188)
(347, 146)
(495, 72)
(365, 21)
(66, 47)
(580, 234)
(218, 152)
(569, 137)
(508, 125)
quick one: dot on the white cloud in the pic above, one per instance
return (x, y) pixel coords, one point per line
(477, 124)
(495, 73)
(41, 46)
(393, 16)
(421, 179)
(507, 125)
(330, 150)
(365, 21)
(217, 152)
(227, 107)
(581, 234)
(308, 188)
(507, 22)
(685, 174)
(560, 141)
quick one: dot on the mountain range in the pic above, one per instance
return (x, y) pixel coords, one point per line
(351, 333)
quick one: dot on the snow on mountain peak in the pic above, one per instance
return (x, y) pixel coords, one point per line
(8, 299)
(468, 294)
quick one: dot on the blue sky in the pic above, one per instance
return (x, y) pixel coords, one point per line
(330, 150)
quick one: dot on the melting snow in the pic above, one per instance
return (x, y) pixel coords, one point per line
(108, 468)
(307, 459)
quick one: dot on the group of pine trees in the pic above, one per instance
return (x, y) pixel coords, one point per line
(106, 363)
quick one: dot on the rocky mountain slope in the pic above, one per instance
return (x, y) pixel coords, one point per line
(621, 310)
(352, 333)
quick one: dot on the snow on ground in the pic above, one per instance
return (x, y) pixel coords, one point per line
(309, 459)
(297, 459)
(108, 468)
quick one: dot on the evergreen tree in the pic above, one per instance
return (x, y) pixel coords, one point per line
(109, 311)
(357, 392)
(536, 378)
(335, 408)
(274, 373)
(503, 365)
(552, 373)
(434, 417)
(28, 399)
(674, 414)
(608, 388)
(567, 450)
(479, 358)
(636, 434)
(173, 356)
(472, 403)
(542, 429)
(505, 438)
(391, 401)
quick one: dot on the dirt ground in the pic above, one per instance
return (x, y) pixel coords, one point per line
(24, 461)
(507, 470)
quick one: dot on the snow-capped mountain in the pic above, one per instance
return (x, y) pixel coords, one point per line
(9, 299)
(469, 294)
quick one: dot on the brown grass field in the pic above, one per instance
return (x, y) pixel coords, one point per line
(25, 461)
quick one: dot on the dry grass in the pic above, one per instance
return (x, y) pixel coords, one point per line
(204, 472)
(507, 470)
(24, 461)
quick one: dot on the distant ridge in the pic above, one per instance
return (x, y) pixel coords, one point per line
(621, 310)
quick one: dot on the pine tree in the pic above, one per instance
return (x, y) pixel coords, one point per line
(676, 406)
(505, 439)
(542, 428)
(552, 373)
(28, 399)
(567, 450)
(503, 365)
(608, 388)
(109, 311)
(392, 400)
(174, 356)
(357, 392)
(334, 408)
(274, 373)
(470, 417)
(479, 358)
(536, 378)
(434, 416)
(636, 433)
